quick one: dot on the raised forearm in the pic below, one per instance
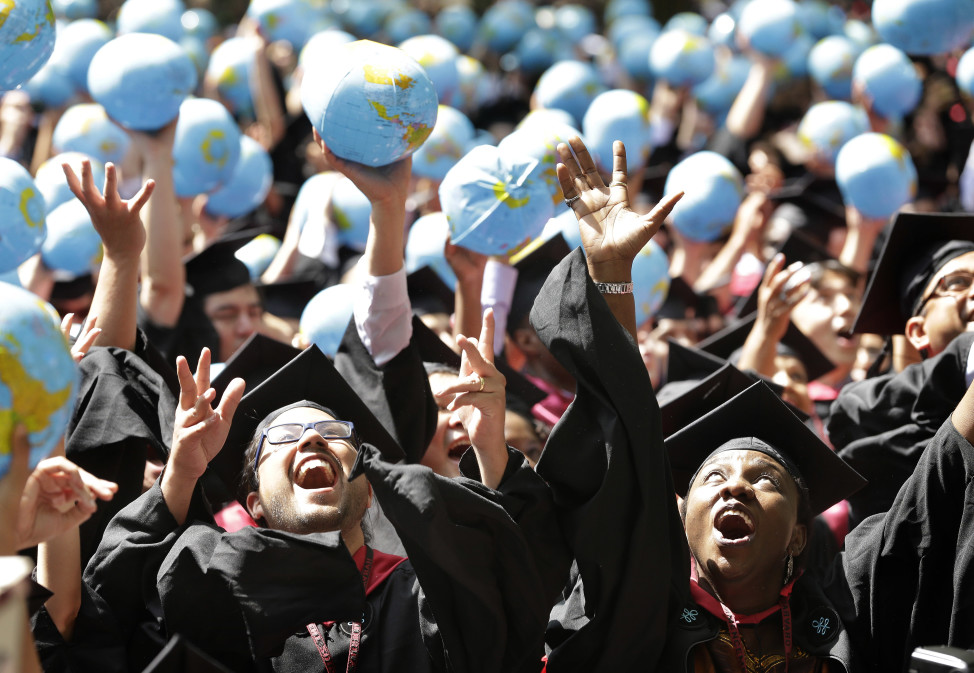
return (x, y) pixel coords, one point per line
(163, 274)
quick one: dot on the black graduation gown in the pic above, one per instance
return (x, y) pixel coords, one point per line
(881, 426)
(485, 567)
(904, 580)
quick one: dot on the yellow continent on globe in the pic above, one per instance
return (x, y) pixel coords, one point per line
(6, 6)
(500, 191)
(378, 75)
(215, 135)
(25, 199)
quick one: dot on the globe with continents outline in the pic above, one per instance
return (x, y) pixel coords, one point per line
(650, 280)
(206, 147)
(371, 103)
(86, 128)
(539, 141)
(351, 211)
(72, 244)
(248, 186)
(829, 125)
(38, 377)
(714, 189)
(51, 182)
(27, 36)
(22, 211)
(446, 145)
(875, 174)
(425, 245)
(258, 254)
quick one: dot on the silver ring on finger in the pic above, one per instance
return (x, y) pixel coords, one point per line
(618, 183)
(571, 202)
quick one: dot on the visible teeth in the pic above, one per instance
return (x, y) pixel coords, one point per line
(312, 464)
(735, 512)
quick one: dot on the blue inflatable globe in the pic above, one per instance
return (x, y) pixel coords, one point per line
(618, 114)
(723, 31)
(196, 49)
(75, 9)
(829, 125)
(249, 184)
(288, 20)
(537, 137)
(682, 58)
(230, 66)
(206, 147)
(794, 62)
(10, 278)
(769, 25)
(350, 211)
(830, 64)
(634, 55)
(495, 203)
(458, 24)
(363, 17)
(650, 281)
(159, 17)
(965, 72)
(50, 86)
(861, 33)
(407, 23)
(566, 224)
(72, 244)
(424, 246)
(438, 57)
(38, 377)
(626, 9)
(474, 84)
(541, 118)
(141, 80)
(570, 86)
(714, 189)
(26, 40)
(52, 184)
(320, 46)
(888, 78)
(574, 22)
(77, 44)
(372, 103)
(688, 21)
(258, 254)
(446, 145)
(505, 23)
(716, 94)
(199, 23)
(540, 48)
(326, 317)
(621, 30)
(318, 233)
(820, 19)
(875, 174)
(22, 211)
(86, 128)
(924, 27)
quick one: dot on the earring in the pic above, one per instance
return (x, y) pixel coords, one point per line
(789, 568)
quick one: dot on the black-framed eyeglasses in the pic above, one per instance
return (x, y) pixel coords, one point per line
(953, 284)
(286, 433)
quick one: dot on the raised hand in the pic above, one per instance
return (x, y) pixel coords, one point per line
(86, 338)
(780, 289)
(382, 185)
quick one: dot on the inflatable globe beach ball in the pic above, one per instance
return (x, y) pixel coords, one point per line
(371, 103)
(363, 17)
(206, 147)
(622, 30)
(22, 211)
(769, 26)
(538, 139)
(861, 33)
(714, 189)
(26, 40)
(794, 62)
(540, 48)
(231, 65)
(86, 128)
(575, 22)
(258, 254)
(50, 86)
(159, 17)
(716, 94)
(326, 317)
(425, 244)
(495, 203)
(72, 244)
(438, 57)
(52, 184)
(830, 64)
(688, 21)
(626, 9)
(77, 44)
(141, 80)
(634, 55)
(38, 377)
(406, 23)
(965, 72)
(888, 78)
(350, 210)
(618, 114)
(199, 23)
(924, 27)
(875, 174)
(505, 23)
(287, 20)
(75, 9)
(682, 58)
(542, 118)
(723, 30)
(474, 84)
(650, 280)
(458, 24)
(446, 145)
(570, 86)
(320, 46)
(820, 19)
(196, 49)
(829, 125)
(248, 185)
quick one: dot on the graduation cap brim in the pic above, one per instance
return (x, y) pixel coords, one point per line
(181, 656)
(758, 412)
(704, 396)
(310, 376)
(687, 363)
(288, 298)
(258, 358)
(215, 268)
(881, 311)
(681, 297)
(428, 293)
(725, 342)
(533, 265)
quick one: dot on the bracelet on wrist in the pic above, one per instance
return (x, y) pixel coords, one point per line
(614, 288)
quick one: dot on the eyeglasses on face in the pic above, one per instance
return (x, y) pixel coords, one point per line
(286, 433)
(954, 284)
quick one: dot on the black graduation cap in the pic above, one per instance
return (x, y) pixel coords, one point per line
(533, 266)
(701, 397)
(258, 358)
(685, 363)
(758, 412)
(310, 376)
(918, 245)
(72, 288)
(816, 205)
(215, 268)
(681, 300)
(798, 247)
(726, 342)
(428, 293)
(181, 656)
(287, 298)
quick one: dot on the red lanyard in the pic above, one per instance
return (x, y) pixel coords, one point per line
(738, 642)
(353, 645)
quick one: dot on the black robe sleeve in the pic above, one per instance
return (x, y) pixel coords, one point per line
(906, 578)
(611, 482)
(881, 426)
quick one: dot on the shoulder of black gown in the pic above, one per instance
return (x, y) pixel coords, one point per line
(610, 476)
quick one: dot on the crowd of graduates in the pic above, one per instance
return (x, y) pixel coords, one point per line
(339, 452)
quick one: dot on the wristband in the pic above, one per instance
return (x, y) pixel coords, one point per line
(614, 288)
